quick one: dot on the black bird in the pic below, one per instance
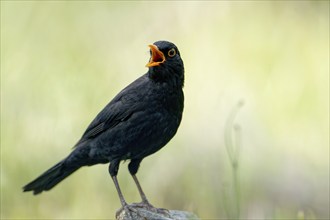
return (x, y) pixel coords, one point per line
(139, 121)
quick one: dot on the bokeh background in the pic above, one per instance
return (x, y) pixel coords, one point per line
(61, 62)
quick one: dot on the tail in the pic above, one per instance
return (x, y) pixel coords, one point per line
(50, 178)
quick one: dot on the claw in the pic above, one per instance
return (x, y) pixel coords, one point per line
(146, 205)
(128, 210)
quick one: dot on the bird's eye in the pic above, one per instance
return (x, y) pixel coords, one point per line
(171, 52)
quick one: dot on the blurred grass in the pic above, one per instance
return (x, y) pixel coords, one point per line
(61, 62)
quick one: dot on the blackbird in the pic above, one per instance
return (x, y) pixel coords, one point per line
(139, 121)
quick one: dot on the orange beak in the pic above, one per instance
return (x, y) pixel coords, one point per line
(157, 56)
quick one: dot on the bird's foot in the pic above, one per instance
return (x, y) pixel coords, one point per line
(146, 205)
(129, 211)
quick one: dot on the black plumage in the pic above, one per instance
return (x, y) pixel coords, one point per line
(139, 121)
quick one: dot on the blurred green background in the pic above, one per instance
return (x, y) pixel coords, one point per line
(61, 62)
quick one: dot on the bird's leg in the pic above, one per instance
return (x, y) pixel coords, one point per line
(120, 194)
(143, 196)
(133, 168)
(113, 170)
(145, 203)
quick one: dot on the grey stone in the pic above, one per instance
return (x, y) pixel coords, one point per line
(142, 213)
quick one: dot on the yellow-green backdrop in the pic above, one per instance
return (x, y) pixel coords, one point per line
(62, 61)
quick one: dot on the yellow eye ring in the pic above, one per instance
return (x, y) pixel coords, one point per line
(171, 52)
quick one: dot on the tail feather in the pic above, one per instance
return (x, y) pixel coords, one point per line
(50, 178)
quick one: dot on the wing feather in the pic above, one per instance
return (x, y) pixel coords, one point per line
(118, 110)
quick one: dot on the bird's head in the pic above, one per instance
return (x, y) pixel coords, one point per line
(165, 63)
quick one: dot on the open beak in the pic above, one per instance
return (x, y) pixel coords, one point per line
(157, 57)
